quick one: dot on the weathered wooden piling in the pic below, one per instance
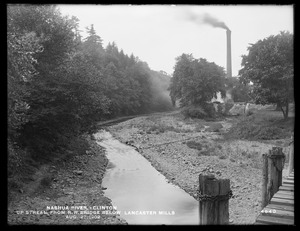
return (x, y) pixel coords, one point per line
(276, 160)
(264, 200)
(214, 200)
(291, 157)
(273, 164)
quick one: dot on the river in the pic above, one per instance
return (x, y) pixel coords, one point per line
(141, 194)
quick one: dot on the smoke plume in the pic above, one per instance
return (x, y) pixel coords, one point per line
(206, 19)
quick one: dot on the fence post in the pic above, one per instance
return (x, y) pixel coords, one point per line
(291, 157)
(264, 199)
(214, 200)
(276, 160)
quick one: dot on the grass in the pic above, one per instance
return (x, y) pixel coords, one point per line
(23, 164)
(243, 157)
(262, 125)
(160, 128)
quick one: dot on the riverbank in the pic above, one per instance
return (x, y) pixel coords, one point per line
(63, 187)
(182, 148)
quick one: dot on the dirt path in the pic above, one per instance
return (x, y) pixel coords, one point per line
(167, 142)
(57, 189)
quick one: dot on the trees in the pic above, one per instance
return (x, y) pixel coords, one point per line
(59, 85)
(46, 41)
(21, 48)
(239, 91)
(92, 48)
(269, 66)
(196, 81)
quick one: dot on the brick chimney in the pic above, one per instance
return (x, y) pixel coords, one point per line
(229, 71)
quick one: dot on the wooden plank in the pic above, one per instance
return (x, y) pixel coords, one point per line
(281, 207)
(282, 201)
(285, 192)
(278, 213)
(286, 188)
(285, 196)
(288, 182)
(275, 220)
(282, 196)
(260, 223)
(288, 185)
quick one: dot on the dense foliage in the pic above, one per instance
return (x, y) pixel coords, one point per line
(60, 84)
(269, 65)
(196, 81)
(239, 91)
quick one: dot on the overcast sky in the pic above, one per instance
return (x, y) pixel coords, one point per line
(157, 34)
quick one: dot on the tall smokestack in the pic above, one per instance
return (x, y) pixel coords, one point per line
(229, 71)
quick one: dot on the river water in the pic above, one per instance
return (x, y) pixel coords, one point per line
(141, 194)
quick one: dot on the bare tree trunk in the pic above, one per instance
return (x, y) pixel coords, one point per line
(283, 112)
(287, 110)
(278, 107)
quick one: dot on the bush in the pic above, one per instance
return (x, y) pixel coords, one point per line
(194, 112)
(215, 127)
(258, 127)
(228, 105)
(194, 145)
(209, 110)
(267, 133)
(222, 157)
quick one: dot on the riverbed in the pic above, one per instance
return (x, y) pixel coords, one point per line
(140, 193)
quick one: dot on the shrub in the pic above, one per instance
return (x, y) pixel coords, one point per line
(194, 112)
(222, 157)
(210, 110)
(255, 128)
(215, 127)
(194, 145)
(267, 133)
(228, 105)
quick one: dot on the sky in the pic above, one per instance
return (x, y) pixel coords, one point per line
(157, 34)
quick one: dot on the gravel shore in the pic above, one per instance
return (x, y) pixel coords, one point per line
(167, 140)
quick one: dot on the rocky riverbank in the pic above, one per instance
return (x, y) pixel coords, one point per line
(67, 192)
(181, 149)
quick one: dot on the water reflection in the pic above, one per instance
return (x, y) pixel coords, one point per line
(139, 191)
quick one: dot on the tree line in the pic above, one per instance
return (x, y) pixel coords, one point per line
(266, 77)
(60, 84)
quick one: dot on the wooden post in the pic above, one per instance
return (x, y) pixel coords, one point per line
(213, 200)
(264, 199)
(275, 166)
(291, 157)
(224, 188)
